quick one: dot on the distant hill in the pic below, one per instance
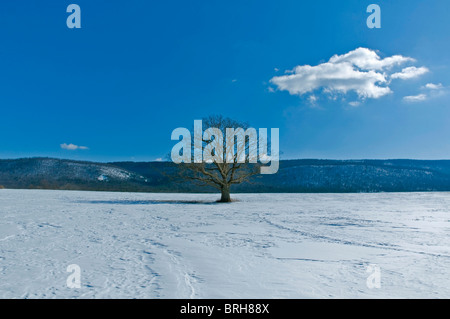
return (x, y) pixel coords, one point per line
(293, 176)
(49, 173)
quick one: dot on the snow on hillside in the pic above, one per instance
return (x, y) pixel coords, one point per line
(134, 245)
(49, 168)
(115, 173)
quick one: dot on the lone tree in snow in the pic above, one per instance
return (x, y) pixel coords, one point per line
(224, 155)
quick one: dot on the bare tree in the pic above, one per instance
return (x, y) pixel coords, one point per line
(228, 158)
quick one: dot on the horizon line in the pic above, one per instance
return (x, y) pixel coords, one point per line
(168, 161)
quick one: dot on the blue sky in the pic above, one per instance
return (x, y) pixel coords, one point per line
(136, 70)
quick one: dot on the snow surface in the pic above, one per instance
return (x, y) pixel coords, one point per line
(135, 245)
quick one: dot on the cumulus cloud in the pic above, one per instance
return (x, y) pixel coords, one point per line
(415, 98)
(410, 73)
(341, 77)
(367, 59)
(73, 147)
(361, 71)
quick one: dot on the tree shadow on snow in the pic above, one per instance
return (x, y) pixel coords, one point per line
(147, 202)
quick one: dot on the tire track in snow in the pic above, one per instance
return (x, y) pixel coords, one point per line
(347, 242)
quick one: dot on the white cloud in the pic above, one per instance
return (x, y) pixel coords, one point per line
(341, 77)
(312, 99)
(367, 59)
(433, 91)
(73, 147)
(159, 159)
(432, 86)
(415, 98)
(361, 71)
(410, 73)
(354, 103)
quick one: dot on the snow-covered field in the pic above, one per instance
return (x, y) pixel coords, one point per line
(186, 246)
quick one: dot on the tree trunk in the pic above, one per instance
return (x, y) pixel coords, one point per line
(225, 198)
